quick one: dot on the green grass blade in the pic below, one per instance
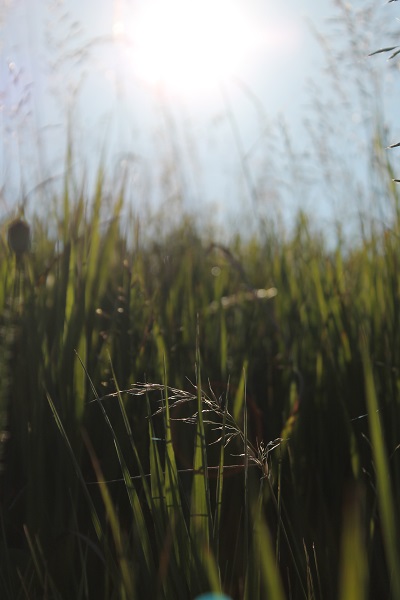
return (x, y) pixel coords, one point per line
(200, 515)
(124, 564)
(353, 563)
(171, 486)
(220, 481)
(157, 476)
(139, 519)
(264, 556)
(384, 488)
(239, 399)
(95, 518)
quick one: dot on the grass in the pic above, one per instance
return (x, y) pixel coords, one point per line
(180, 416)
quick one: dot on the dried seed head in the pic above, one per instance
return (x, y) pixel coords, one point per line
(19, 237)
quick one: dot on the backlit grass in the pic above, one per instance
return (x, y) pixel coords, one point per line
(179, 416)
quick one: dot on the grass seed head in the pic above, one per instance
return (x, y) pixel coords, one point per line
(19, 237)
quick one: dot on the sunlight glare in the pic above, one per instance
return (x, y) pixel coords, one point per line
(189, 46)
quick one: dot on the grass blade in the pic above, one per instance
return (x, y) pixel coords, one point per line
(384, 488)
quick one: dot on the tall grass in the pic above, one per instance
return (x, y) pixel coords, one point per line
(180, 416)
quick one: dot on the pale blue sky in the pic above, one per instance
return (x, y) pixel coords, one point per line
(54, 51)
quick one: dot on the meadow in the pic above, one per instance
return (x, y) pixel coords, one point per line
(180, 415)
(182, 412)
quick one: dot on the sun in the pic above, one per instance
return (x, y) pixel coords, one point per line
(188, 45)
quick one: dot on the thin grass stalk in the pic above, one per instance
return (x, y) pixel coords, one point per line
(200, 510)
(163, 529)
(95, 518)
(292, 542)
(132, 442)
(279, 499)
(169, 576)
(132, 494)
(156, 472)
(317, 572)
(35, 558)
(310, 585)
(176, 522)
(220, 479)
(131, 438)
(246, 515)
(127, 579)
(45, 580)
(111, 566)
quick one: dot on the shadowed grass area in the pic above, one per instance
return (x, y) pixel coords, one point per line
(179, 416)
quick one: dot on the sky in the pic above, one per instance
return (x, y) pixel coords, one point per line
(204, 108)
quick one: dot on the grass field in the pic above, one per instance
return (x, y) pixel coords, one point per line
(180, 416)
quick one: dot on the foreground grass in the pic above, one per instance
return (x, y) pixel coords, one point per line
(183, 416)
